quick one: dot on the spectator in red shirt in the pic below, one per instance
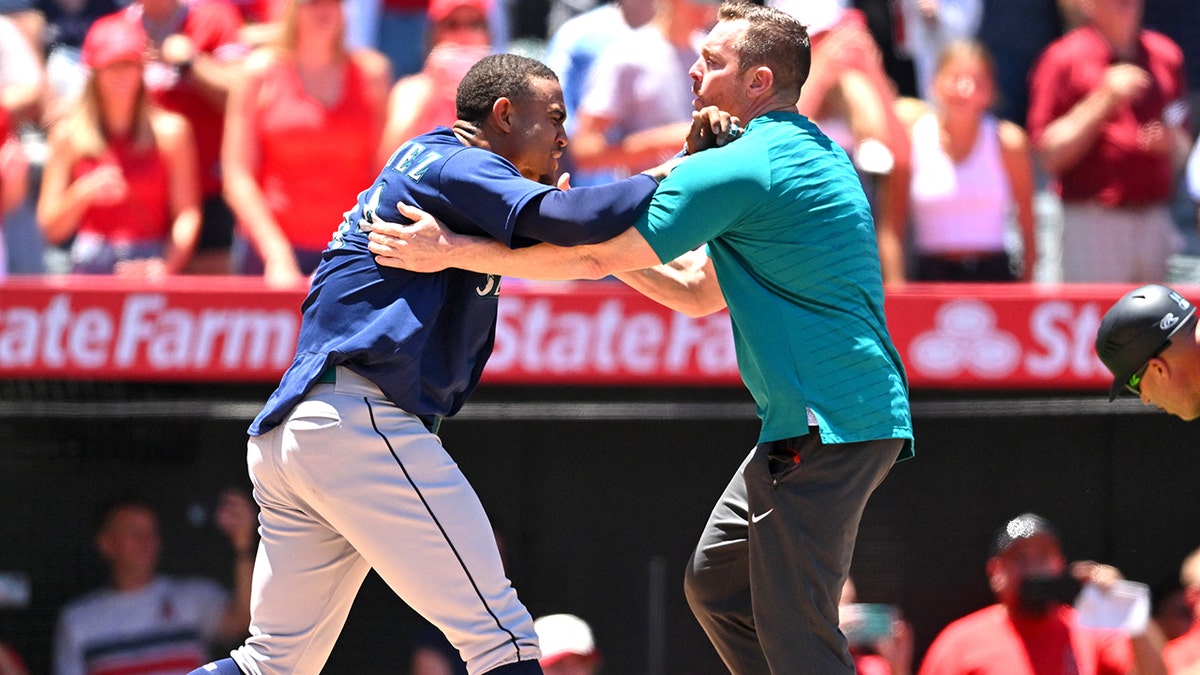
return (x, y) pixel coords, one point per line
(120, 180)
(302, 137)
(10, 661)
(1183, 653)
(194, 50)
(459, 37)
(14, 178)
(1028, 632)
(1108, 118)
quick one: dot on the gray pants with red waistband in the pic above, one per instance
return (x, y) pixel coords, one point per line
(767, 574)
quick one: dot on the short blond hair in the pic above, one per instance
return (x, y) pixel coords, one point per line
(1189, 572)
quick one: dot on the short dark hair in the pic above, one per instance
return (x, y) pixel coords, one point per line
(774, 39)
(118, 503)
(497, 76)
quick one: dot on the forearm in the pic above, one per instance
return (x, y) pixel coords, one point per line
(687, 284)
(184, 232)
(212, 76)
(544, 262)
(1147, 652)
(257, 222)
(586, 215)
(235, 623)
(59, 214)
(1067, 139)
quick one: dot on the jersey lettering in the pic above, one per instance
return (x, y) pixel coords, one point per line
(490, 287)
(415, 161)
(369, 209)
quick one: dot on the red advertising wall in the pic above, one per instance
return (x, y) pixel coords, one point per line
(234, 329)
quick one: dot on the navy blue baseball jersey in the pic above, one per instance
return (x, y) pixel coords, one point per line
(423, 339)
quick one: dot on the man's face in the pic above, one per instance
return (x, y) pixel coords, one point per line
(538, 137)
(1038, 556)
(715, 77)
(130, 541)
(1123, 14)
(1172, 389)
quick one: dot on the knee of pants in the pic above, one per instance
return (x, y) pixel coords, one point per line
(704, 594)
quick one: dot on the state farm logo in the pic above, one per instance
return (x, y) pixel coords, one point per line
(965, 339)
(612, 339)
(147, 333)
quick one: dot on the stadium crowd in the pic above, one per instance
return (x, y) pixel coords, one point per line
(989, 152)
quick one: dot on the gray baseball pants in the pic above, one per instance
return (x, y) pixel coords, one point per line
(349, 483)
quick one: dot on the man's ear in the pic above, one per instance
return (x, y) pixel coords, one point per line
(502, 112)
(761, 81)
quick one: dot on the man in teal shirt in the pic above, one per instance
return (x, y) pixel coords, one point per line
(790, 235)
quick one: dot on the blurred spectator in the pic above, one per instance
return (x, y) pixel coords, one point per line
(878, 647)
(847, 81)
(121, 177)
(884, 20)
(302, 138)
(10, 661)
(401, 34)
(1172, 613)
(194, 49)
(562, 11)
(930, 26)
(568, 647)
(638, 99)
(971, 174)
(21, 74)
(1193, 176)
(1109, 121)
(1073, 14)
(1016, 32)
(418, 103)
(1180, 21)
(147, 622)
(574, 47)
(1032, 628)
(14, 179)
(67, 22)
(571, 53)
(1183, 652)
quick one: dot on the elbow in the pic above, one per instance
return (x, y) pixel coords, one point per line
(698, 307)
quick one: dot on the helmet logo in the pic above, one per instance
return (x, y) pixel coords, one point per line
(1168, 321)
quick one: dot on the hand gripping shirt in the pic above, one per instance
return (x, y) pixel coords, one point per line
(423, 339)
(792, 241)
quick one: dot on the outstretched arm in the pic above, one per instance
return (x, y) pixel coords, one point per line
(687, 284)
(427, 246)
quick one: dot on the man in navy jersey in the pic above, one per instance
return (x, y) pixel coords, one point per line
(346, 464)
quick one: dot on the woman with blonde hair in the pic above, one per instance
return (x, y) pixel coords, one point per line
(302, 132)
(121, 180)
(972, 175)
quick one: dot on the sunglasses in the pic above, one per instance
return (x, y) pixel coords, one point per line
(1135, 380)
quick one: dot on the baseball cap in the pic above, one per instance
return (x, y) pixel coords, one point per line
(1137, 327)
(113, 38)
(563, 635)
(440, 9)
(1024, 526)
